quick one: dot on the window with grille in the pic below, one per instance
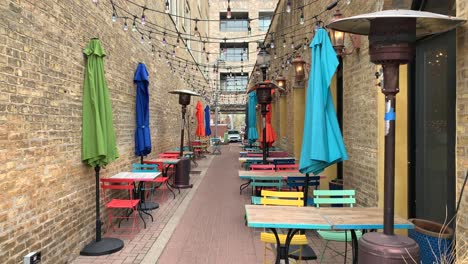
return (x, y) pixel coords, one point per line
(239, 22)
(234, 51)
(233, 82)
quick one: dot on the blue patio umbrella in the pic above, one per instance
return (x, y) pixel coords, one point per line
(207, 121)
(142, 131)
(322, 142)
(252, 133)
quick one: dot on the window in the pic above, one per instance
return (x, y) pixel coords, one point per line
(264, 20)
(234, 82)
(239, 22)
(235, 51)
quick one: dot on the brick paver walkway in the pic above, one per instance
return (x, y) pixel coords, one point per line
(202, 225)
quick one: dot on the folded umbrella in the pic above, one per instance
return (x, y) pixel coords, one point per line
(207, 121)
(142, 131)
(200, 132)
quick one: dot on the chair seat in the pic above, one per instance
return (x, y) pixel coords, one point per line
(338, 235)
(296, 240)
(119, 203)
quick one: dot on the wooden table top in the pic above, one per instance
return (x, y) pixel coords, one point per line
(163, 160)
(364, 217)
(319, 218)
(137, 176)
(285, 217)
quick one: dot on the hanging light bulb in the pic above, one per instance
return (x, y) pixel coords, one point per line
(143, 17)
(272, 44)
(306, 41)
(125, 28)
(284, 43)
(275, 56)
(114, 16)
(134, 28)
(301, 20)
(174, 53)
(149, 37)
(204, 49)
(196, 26)
(249, 29)
(164, 42)
(95, 2)
(292, 44)
(152, 51)
(229, 14)
(288, 6)
(178, 41)
(142, 40)
(167, 7)
(159, 56)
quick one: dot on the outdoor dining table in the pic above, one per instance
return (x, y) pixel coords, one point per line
(140, 177)
(170, 162)
(244, 153)
(269, 159)
(329, 218)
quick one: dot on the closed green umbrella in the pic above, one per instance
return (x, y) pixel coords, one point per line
(98, 144)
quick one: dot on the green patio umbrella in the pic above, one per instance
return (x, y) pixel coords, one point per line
(98, 144)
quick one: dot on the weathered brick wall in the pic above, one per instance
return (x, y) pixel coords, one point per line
(462, 131)
(46, 193)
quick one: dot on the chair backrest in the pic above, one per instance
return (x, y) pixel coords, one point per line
(137, 167)
(262, 167)
(116, 184)
(254, 154)
(282, 198)
(270, 181)
(279, 154)
(168, 155)
(345, 197)
(287, 167)
(284, 161)
(300, 181)
(196, 143)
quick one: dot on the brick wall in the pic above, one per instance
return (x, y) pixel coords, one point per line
(46, 193)
(462, 130)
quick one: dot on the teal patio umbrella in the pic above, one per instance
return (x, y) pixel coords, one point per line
(98, 143)
(252, 133)
(322, 142)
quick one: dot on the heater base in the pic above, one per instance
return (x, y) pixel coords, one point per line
(387, 249)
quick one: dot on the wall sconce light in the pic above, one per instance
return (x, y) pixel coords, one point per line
(281, 82)
(338, 38)
(299, 64)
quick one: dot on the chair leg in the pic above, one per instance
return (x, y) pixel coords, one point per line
(323, 251)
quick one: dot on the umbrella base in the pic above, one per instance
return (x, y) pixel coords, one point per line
(182, 186)
(106, 246)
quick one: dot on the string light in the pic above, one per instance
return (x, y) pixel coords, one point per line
(142, 40)
(167, 7)
(125, 28)
(134, 28)
(164, 42)
(301, 20)
(284, 43)
(228, 13)
(143, 18)
(114, 16)
(288, 6)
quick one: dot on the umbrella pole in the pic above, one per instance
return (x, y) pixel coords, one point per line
(306, 189)
(97, 169)
(101, 246)
(141, 159)
(184, 110)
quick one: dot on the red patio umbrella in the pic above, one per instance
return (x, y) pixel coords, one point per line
(270, 132)
(200, 118)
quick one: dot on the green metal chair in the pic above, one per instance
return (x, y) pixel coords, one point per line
(335, 197)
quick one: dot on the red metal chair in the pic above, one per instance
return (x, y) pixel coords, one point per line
(254, 155)
(113, 204)
(169, 155)
(287, 167)
(262, 167)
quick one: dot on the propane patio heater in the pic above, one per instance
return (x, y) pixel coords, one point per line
(392, 34)
(264, 93)
(182, 177)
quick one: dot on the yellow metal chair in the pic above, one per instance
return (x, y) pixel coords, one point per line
(300, 240)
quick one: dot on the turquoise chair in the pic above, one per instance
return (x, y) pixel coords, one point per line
(333, 197)
(148, 187)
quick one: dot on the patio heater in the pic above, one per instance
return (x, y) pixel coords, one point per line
(182, 179)
(264, 93)
(392, 34)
